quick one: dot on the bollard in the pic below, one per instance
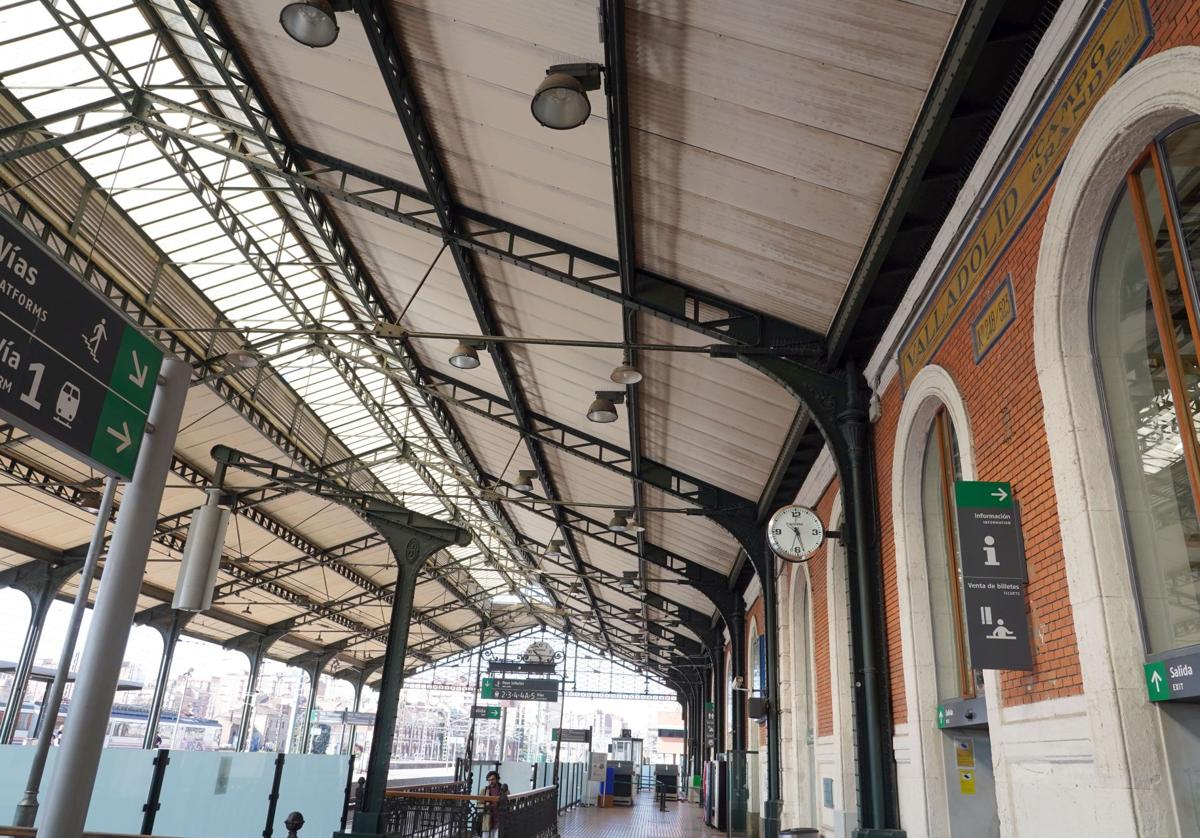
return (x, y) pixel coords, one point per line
(294, 823)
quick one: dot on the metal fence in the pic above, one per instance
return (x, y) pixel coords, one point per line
(411, 813)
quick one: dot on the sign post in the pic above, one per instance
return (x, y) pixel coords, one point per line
(73, 372)
(993, 570)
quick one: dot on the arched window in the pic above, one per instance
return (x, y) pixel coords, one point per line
(1146, 337)
(939, 470)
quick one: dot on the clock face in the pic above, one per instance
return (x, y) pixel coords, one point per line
(795, 532)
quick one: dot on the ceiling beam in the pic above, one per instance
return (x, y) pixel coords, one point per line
(392, 64)
(582, 444)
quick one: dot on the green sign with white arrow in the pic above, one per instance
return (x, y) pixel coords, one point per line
(73, 371)
(1156, 681)
(1175, 679)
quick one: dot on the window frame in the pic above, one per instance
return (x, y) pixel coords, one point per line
(1191, 291)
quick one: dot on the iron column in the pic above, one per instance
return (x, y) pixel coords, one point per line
(112, 618)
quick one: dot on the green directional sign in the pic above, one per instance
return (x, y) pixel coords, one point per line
(980, 494)
(480, 711)
(1158, 686)
(519, 689)
(73, 371)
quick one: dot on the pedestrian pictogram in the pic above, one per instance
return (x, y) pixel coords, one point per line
(98, 336)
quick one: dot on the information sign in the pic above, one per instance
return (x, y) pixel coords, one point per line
(342, 717)
(73, 372)
(597, 767)
(710, 723)
(520, 689)
(571, 734)
(480, 711)
(523, 667)
(992, 560)
(1177, 679)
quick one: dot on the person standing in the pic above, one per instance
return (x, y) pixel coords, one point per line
(493, 812)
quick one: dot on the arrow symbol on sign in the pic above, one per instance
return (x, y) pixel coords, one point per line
(138, 376)
(1156, 679)
(1000, 494)
(121, 436)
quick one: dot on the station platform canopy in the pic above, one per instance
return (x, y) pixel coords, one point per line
(384, 271)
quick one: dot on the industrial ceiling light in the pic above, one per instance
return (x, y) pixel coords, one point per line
(619, 522)
(244, 358)
(525, 479)
(633, 527)
(561, 101)
(312, 22)
(554, 549)
(626, 374)
(89, 500)
(464, 357)
(604, 408)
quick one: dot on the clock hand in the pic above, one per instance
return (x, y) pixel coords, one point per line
(796, 530)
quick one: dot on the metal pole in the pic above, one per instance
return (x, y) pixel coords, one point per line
(369, 820)
(170, 638)
(27, 808)
(874, 783)
(737, 634)
(40, 607)
(315, 678)
(112, 618)
(469, 773)
(187, 679)
(503, 730)
(247, 723)
(562, 710)
(773, 805)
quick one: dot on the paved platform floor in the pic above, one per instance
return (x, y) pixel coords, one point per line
(643, 820)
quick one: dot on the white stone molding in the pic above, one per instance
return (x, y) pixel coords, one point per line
(926, 814)
(1132, 775)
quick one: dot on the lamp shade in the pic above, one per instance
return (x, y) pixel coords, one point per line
(464, 357)
(201, 557)
(618, 522)
(311, 22)
(561, 102)
(524, 482)
(626, 374)
(554, 549)
(244, 358)
(602, 410)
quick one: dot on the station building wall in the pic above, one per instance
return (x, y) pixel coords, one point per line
(1077, 748)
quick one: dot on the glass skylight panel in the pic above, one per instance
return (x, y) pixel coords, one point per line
(52, 77)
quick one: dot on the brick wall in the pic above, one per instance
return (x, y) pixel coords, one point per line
(1004, 404)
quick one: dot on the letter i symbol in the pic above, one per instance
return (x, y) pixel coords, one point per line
(990, 552)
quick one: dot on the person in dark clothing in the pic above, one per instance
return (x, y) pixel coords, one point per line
(494, 810)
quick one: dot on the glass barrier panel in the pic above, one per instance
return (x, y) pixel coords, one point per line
(14, 771)
(315, 786)
(122, 787)
(211, 793)
(518, 776)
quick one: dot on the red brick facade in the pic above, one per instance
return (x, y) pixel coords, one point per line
(1005, 410)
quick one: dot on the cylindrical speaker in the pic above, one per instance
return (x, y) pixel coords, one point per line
(201, 557)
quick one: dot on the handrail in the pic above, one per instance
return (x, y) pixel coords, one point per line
(483, 798)
(31, 832)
